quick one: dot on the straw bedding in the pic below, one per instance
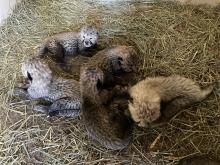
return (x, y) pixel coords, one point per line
(172, 39)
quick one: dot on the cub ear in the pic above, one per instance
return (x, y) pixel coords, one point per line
(129, 89)
(130, 100)
(99, 84)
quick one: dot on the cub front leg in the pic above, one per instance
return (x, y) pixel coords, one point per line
(107, 95)
(66, 107)
(20, 92)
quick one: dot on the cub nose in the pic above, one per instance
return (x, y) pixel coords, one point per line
(87, 42)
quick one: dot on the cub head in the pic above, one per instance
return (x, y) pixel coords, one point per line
(123, 59)
(91, 80)
(89, 36)
(144, 105)
(36, 71)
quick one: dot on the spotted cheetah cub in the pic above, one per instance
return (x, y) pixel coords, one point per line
(71, 43)
(115, 61)
(178, 92)
(109, 127)
(63, 93)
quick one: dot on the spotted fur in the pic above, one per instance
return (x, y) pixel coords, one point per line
(115, 61)
(70, 43)
(63, 93)
(111, 128)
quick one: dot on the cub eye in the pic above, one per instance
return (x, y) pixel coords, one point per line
(84, 37)
(99, 84)
(119, 61)
(29, 76)
(90, 38)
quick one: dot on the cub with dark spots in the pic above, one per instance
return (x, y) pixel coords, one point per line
(70, 43)
(41, 83)
(110, 127)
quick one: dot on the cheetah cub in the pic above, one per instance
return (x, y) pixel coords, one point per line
(176, 91)
(109, 127)
(115, 62)
(70, 43)
(63, 93)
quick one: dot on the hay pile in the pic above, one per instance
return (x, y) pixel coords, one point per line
(173, 39)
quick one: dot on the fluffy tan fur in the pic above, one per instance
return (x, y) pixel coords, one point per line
(178, 92)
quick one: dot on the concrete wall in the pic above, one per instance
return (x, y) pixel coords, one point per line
(6, 7)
